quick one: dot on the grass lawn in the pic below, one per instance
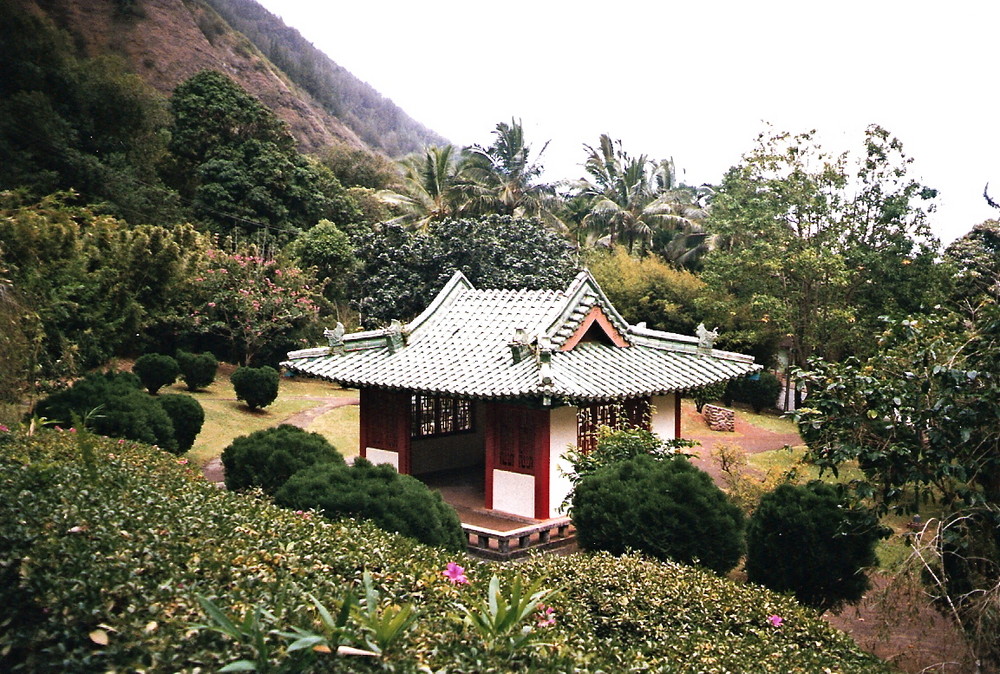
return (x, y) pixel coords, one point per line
(226, 418)
(341, 426)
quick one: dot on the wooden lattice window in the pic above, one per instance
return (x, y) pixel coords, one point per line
(634, 413)
(515, 440)
(440, 415)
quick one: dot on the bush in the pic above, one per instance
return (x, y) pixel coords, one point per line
(760, 391)
(806, 539)
(197, 369)
(615, 445)
(668, 509)
(708, 394)
(187, 417)
(112, 404)
(126, 557)
(267, 458)
(256, 386)
(394, 502)
(156, 371)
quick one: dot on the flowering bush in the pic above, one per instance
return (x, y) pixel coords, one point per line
(254, 302)
(103, 572)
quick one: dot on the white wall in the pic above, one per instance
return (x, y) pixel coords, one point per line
(378, 456)
(663, 421)
(562, 434)
(514, 493)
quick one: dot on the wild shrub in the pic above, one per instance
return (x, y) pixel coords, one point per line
(112, 404)
(256, 386)
(708, 394)
(155, 371)
(197, 370)
(809, 540)
(123, 562)
(760, 391)
(667, 509)
(620, 444)
(394, 502)
(187, 416)
(267, 458)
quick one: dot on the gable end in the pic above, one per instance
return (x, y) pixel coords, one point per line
(594, 326)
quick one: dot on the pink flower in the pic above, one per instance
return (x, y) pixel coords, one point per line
(775, 620)
(121, 441)
(546, 616)
(455, 573)
(303, 514)
(183, 462)
(211, 304)
(3, 429)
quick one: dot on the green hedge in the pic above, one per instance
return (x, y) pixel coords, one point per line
(395, 502)
(118, 551)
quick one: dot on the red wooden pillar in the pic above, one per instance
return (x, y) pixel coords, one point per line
(677, 414)
(385, 423)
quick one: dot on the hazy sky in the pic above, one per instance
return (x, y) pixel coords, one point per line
(696, 81)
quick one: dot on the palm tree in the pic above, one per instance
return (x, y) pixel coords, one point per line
(433, 188)
(638, 202)
(504, 177)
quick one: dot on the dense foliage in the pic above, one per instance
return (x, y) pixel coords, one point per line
(266, 459)
(197, 370)
(394, 502)
(112, 404)
(665, 508)
(187, 417)
(155, 370)
(816, 247)
(256, 386)
(106, 577)
(920, 419)
(759, 390)
(810, 541)
(401, 271)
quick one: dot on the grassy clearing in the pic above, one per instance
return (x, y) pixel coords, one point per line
(226, 418)
(341, 426)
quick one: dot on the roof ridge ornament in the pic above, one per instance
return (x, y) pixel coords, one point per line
(335, 338)
(394, 336)
(519, 345)
(544, 361)
(706, 337)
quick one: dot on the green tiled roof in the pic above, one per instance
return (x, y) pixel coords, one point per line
(506, 344)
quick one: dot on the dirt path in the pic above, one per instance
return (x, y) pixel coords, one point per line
(752, 439)
(213, 470)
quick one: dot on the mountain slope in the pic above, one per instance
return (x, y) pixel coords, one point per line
(168, 41)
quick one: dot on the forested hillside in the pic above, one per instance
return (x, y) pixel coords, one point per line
(375, 119)
(168, 41)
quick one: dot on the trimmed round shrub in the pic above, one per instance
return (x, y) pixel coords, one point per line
(256, 386)
(668, 509)
(267, 458)
(156, 371)
(112, 404)
(186, 415)
(197, 369)
(808, 540)
(760, 391)
(394, 502)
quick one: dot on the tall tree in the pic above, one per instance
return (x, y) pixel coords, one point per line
(432, 188)
(239, 166)
(634, 199)
(505, 176)
(813, 250)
